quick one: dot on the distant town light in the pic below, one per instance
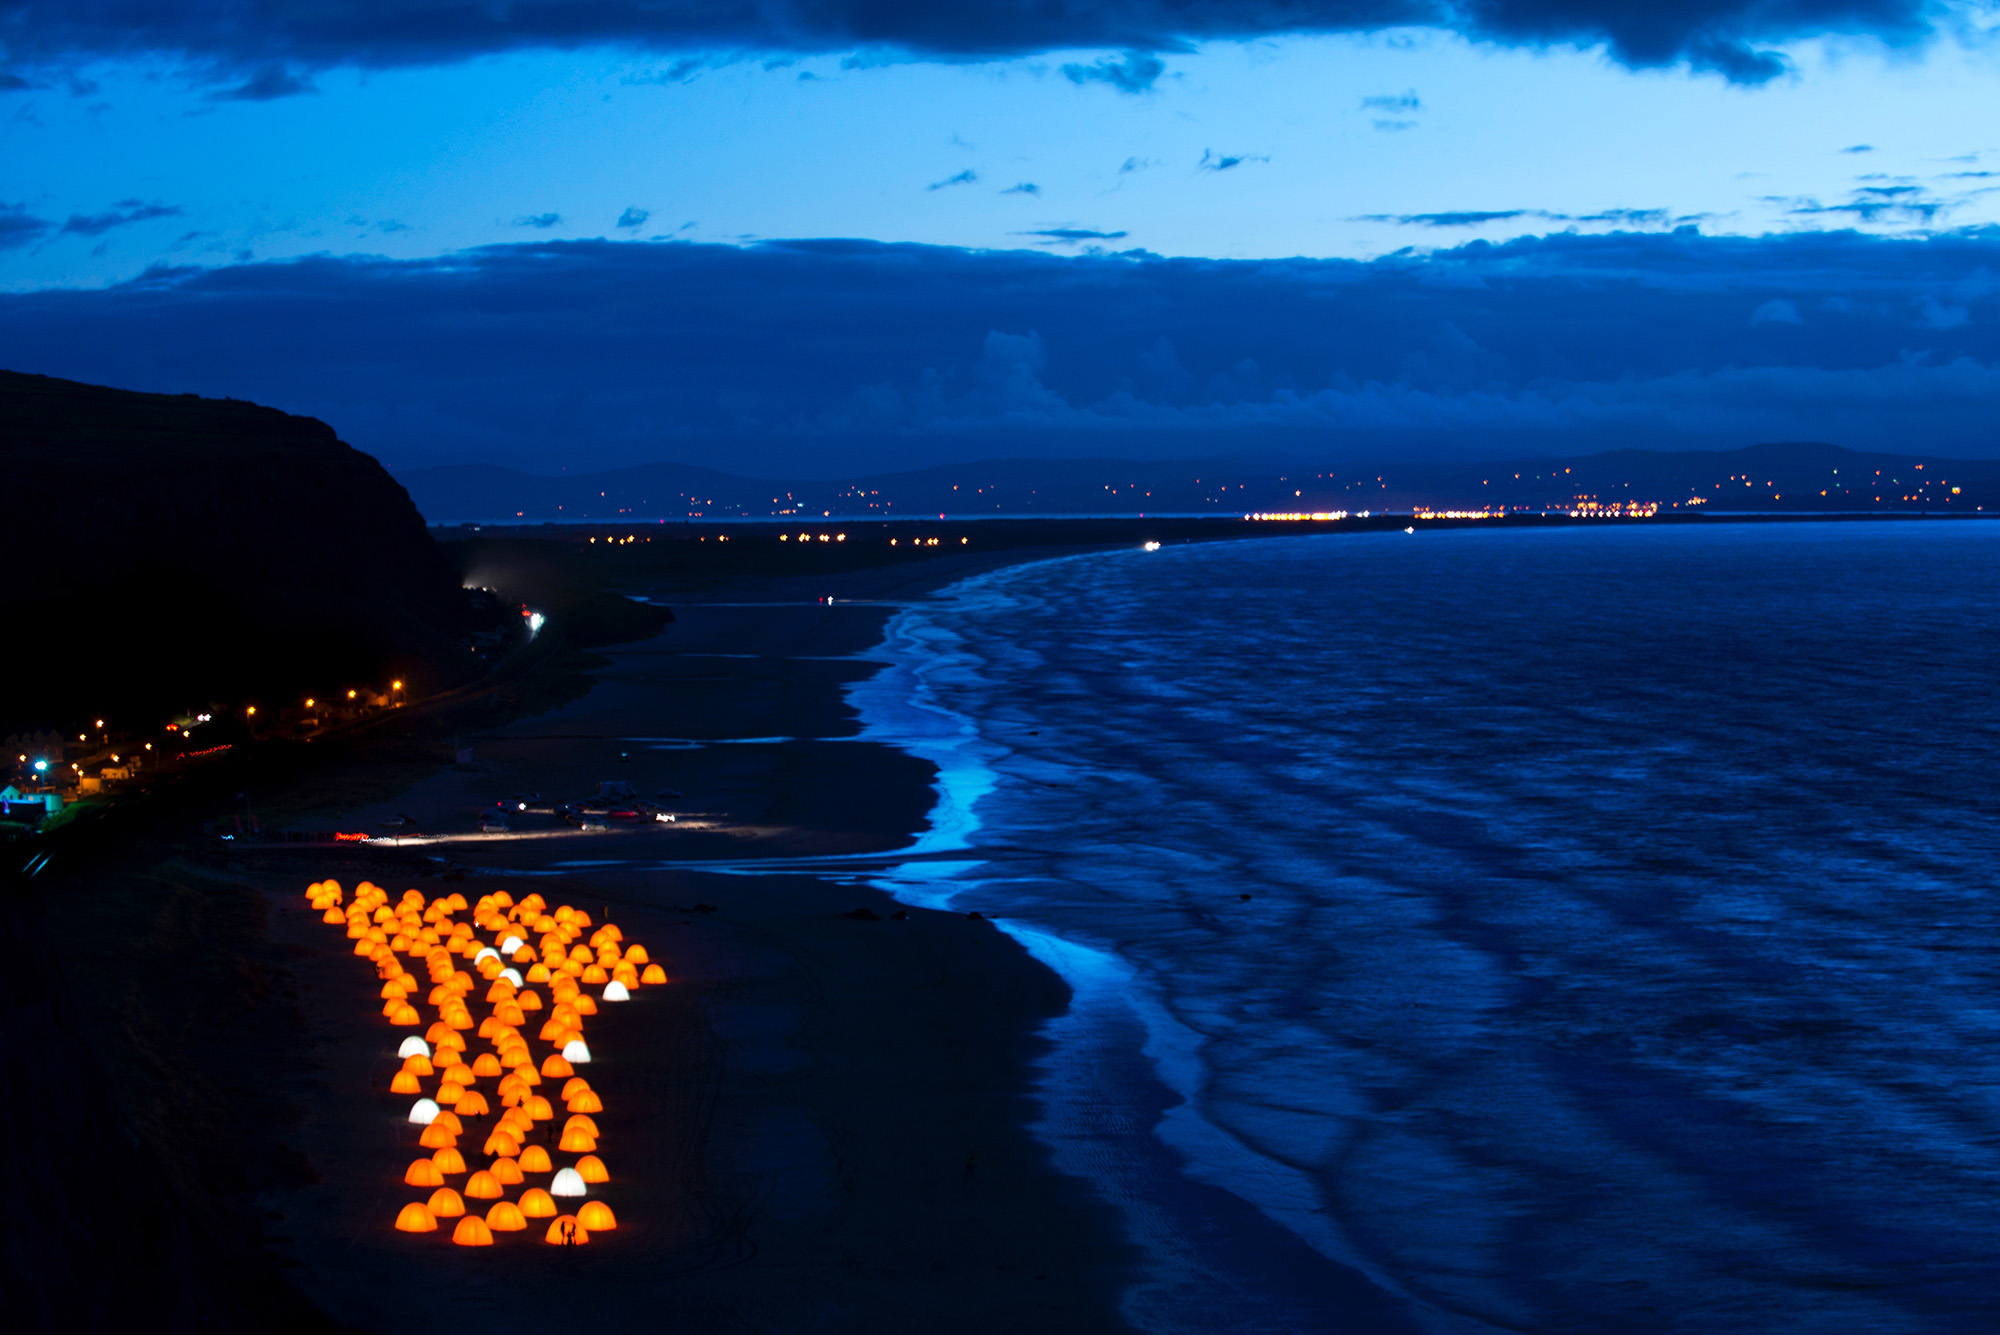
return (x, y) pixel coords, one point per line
(99, 723)
(41, 767)
(309, 702)
(350, 695)
(395, 685)
(252, 710)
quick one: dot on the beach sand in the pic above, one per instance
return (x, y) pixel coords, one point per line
(821, 1124)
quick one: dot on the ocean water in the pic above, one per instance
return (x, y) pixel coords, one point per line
(1553, 930)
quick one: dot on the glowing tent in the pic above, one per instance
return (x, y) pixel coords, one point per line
(472, 1232)
(566, 1231)
(423, 1112)
(567, 1182)
(415, 1219)
(597, 1217)
(506, 1217)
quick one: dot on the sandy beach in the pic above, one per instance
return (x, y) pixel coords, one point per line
(821, 1123)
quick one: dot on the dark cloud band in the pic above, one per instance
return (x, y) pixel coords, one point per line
(1729, 36)
(814, 356)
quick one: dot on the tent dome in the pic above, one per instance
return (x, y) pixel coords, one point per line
(576, 1051)
(568, 1182)
(423, 1112)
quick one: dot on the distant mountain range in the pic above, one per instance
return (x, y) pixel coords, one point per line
(1804, 476)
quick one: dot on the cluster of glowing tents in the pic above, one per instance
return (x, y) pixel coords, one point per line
(502, 959)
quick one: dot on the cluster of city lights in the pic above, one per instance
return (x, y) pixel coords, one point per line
(521, 1139)
(1629, 510)
(1301, 514)
(1422, 512)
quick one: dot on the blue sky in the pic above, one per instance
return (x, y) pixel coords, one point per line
(147, 146)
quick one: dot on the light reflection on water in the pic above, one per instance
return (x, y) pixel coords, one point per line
(1620, 945)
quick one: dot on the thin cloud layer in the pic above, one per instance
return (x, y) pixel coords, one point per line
(1732, 37)
(822, 356)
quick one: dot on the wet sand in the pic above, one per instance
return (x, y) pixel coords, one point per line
(819, 1125)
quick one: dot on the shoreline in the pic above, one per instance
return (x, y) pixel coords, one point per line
(796, 1168)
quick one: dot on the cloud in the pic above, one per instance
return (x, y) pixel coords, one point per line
(13, 83)
(1070, 236)
(633, 217)
(1480, 217)
(18, 227)
(541, 222)
(1212, 161)
(123, 214)
(1456, 218)
(683, 70)
(1023, 188)
(1859, 148)
(266, 85)
(814, 357)
(966, 177)
(1400, 104)
(1137, 72)
(1734, 38)
(1778, 310)
(1908, 204)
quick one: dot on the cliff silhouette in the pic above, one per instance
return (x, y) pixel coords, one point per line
(169, 552)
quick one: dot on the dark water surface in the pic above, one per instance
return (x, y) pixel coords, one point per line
(1621, 951)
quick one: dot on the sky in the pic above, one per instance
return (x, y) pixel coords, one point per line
(813, 238)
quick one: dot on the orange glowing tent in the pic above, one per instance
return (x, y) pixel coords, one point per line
(486, 1065)
(450, 1091)
(438, 1136)
(500, 1145)
(472, 1103)
(445, 1203)
(581, 1122)
(472, 1232)
(535, 1159)
(577, 1142)
(636, 955)
(405, 1082)
(597, 1217)
(506, 1217)
(450, 1119)
(423, 1173)
(418, 1064)
(449, 1161)
(538, 1204)
(592, 1170)
(538, 1109)
(565, 1231)
(415, 1219)
(574, 1086)
(506, 1172)
(653, 975)
(554, 1065)
(482, 1185)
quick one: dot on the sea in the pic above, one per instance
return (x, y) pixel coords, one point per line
(1568, 929)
